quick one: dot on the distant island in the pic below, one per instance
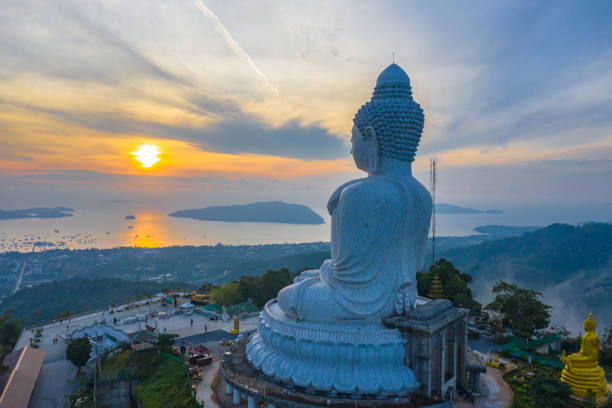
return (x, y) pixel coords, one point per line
(500, 231)
(38, 212)
(130, 217)
(444, 208)
(270, 211)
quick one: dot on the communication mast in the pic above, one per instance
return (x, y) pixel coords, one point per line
(433, 178)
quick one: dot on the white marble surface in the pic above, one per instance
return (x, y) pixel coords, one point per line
(344, 357)
(379, 224)
(324, 332)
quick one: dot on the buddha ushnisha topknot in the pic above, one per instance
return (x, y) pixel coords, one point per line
(396, 118)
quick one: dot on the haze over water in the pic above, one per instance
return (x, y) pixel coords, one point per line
(103, 225)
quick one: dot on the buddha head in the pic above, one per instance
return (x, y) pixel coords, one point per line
(590, 324)
(390, 124)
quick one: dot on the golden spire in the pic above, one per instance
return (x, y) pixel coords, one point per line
(436, 290)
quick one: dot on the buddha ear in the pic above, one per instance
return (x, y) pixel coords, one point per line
(373, 162)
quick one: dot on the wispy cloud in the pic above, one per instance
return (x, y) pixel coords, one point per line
(234, 45)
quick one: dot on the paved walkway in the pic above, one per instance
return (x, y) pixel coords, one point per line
(204, 391)
(500, 392)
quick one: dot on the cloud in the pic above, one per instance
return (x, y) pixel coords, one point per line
(236, 132)
(567, 162)
(234, 45)
(77, 45)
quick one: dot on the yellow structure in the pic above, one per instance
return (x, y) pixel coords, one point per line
(435, 288)
(582, 371)
(200, 299)
(236, 329)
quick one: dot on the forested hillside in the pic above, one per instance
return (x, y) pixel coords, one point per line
(78, 295)
(571, 265)
(542, 257)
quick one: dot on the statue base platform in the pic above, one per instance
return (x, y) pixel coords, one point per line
(241, 385)
(353, 359)
(583, 379)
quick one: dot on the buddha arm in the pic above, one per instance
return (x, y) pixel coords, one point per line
(335, 197)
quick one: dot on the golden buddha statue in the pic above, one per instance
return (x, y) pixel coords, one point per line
(582, 371)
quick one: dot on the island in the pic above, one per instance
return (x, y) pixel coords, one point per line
(130, 217)
(505, 230)
(269, 211)
(444, 208)
(38, 212)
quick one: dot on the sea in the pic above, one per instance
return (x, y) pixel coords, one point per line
(103, 225)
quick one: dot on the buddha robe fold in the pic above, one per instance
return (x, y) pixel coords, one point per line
(372, 255)
(379, 228)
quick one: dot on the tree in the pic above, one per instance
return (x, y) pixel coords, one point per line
(78, 351)
(9, 334)
(165, 342)
(269, 284)
(63, 315)
(207, 287)
(228, 294)
(454, 284)
(549, 392)
(521, 308)
(248, 286)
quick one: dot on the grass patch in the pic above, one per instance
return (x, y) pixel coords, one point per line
(119, 361)
(162, 381)
(164, 384)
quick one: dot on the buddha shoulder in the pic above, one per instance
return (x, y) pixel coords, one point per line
(371, 192)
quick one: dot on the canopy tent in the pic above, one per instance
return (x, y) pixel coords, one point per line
(187, 308)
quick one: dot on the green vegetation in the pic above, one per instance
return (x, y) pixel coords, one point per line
(550, 254)
(78, 351)
(162, 380)
(165, 342)
(77, 295)
(523, 383)
(521, 308)
(454, 282)
(550, 392)
(9, 334)
(258, 289)
(64, 315)
(297, 262)
(165, 385)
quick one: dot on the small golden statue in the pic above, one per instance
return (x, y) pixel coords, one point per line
(582, 371)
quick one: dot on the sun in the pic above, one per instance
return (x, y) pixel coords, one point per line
(147, 155)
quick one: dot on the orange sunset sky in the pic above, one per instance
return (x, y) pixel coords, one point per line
(254, 100)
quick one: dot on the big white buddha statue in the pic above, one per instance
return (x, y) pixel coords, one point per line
(379, 223)
(324, 332)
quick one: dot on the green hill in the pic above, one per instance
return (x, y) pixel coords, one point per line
(542, 257)
(571, 265)
(78, 295)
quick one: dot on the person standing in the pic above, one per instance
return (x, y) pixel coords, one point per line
(192, 323)
(205, 329)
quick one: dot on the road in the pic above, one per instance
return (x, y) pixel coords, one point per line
(20, 277)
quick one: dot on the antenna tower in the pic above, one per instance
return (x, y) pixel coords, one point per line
(433, 178)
